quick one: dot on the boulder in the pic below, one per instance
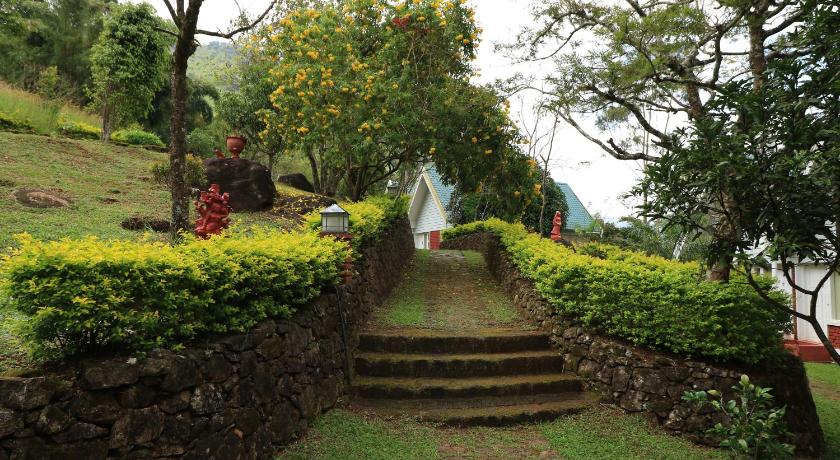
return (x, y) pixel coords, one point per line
(42, 198)
(298, 181)
(248, 183)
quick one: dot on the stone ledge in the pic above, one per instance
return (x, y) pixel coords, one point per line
(237, 396)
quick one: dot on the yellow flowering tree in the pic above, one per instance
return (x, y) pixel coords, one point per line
(366, 87)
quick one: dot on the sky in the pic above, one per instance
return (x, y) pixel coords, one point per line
(599, 180)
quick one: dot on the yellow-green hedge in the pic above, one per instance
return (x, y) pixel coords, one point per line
(368, 218)
(77, 130)
(647, 300)
(91, 295)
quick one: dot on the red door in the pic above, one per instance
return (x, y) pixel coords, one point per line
(434, 240)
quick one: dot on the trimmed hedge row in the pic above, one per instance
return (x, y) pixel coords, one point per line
(647, 300)
(87, 296)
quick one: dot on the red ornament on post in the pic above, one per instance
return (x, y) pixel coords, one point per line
(558, 227)
(213, 211)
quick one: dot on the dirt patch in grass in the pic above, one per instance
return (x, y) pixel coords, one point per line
(448, 290)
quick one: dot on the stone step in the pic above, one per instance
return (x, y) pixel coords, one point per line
(516, 385)
(486, 411)
(426, 341)
(457, 365)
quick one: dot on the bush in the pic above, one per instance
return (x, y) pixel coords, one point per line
(753, 428)
(136, 137)
(201, 142)
(195, 176)
(91, 295)
(78, 130)
(9, 123)
(88, 296)
(647, 300)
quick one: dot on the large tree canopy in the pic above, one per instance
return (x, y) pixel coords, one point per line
(365, 87)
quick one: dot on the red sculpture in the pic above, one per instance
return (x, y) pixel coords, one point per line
(558, 227)
(213, 211)
(218, 152)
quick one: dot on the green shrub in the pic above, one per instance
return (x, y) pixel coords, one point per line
(753, 428)
(137, 137)
(368, 218)
(201, 142)
(91, 295)
(9, 123)
(195, 176)
(647, 300)
(78, 130)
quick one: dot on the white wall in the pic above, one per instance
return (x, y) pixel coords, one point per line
(807, 276)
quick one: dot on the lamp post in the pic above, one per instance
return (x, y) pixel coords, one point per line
(335, 222)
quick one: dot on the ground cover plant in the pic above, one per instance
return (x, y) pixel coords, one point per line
(137, 137)
(647, 300)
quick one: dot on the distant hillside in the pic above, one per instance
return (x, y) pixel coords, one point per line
(213, 62)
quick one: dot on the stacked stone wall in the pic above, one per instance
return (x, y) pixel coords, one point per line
(240, 396)
(649, 382)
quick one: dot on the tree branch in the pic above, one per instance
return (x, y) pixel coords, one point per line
(234, 32)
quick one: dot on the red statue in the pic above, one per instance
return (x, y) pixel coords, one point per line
(218, 152)
(558, 227)
(213, 211)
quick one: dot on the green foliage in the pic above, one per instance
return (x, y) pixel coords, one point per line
(202, 141)
(753, 427)
(201, 97)
(645, 299)
(9, 123)
(88, 295)
(128, 63)
(195, 175)
(91, 295)
(366, 87)
(137, 137)
(78, 130)
(654, 238)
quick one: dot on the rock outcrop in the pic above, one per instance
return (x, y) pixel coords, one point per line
(248, 183)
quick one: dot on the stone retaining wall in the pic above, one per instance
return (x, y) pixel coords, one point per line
(641, 380)
(234, 397)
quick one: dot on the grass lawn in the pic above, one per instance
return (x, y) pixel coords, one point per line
(825, 385)
(601, 433)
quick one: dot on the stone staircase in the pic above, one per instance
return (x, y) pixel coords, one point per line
(489, 377)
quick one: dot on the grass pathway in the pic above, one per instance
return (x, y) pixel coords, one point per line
(453, 291)
(449, 291)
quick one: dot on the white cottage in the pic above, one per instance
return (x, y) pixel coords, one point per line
(428, 212)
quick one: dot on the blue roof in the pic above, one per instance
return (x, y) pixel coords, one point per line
(444, 191)
(577, 217)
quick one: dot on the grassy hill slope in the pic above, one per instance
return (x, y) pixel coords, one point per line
(107, 184)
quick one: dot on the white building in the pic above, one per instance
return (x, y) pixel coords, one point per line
(427, 211)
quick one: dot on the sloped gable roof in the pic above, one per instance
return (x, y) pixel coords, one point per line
(578, 216)
(444, 192)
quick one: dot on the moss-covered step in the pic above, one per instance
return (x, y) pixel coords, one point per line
(421, 388)
(431, 341)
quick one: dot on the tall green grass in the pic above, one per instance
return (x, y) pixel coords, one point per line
(25, 106)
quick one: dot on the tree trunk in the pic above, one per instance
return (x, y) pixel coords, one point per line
(107, 121)
(184, 48)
